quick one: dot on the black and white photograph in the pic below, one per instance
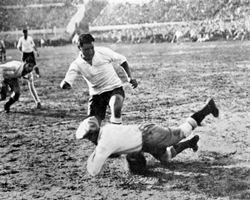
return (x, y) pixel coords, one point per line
(124, 99)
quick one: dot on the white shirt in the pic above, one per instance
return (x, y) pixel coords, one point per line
(122, 139)
(14, 69)
(27, 45)
(125, 139)
(101, 75)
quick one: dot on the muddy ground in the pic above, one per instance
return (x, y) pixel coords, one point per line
(40, 159)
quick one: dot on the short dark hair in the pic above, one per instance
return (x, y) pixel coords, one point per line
(25, 30)
(85, 39)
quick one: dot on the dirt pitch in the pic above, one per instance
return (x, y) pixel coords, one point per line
(40, 159)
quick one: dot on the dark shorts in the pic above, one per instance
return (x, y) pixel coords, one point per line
(98, 103)
(156, 139)
(14, 86)
(30, 54)
(2, 50)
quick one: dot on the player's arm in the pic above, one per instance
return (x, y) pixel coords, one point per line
(131, 80)
(19, 45)
(122, 60)
(70, 77)
(32, 88)
(96, 160)
(34, 47)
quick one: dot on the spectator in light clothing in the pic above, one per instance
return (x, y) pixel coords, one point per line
(27, 46)
(95, 65)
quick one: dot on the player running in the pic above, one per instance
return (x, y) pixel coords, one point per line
(12, 71)
(133, 140)
(95, 65)
(27, 46)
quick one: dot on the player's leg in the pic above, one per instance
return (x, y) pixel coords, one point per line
(15, 88)
(156, 139)
(97, 107)
(195, 119)
(209, 108)
(5, 58)
(136, 163)
(116, 104)
(4, 55)
(171, 152)
(36, 69)
(4, 90)
(1, 55)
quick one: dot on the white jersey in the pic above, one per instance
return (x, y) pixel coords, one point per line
(27, 45)
(122, 139)
(101, 75)
(125, 139)
(12, 69)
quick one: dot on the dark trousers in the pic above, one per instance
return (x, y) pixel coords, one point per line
(31, 54)
(2, 55)
(14, 86)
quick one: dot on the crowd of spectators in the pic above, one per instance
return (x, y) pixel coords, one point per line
(29, 2)
(194, 20)
(174, 10)
(199, 31)
(36, 18)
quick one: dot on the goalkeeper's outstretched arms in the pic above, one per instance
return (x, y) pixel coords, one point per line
(97, 159)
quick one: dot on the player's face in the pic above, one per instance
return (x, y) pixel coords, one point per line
(88, 51)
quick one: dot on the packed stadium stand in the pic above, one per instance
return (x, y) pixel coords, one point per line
(172, 10)
(168, 20)
(154, 21)
(20, 14)
(47, 19)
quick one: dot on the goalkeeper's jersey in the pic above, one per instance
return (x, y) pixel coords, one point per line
(125, 139)
(121, 139)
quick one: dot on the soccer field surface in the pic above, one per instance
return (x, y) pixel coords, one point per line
(40, 159)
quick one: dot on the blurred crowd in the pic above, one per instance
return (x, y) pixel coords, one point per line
(199, 31)
(35, 17)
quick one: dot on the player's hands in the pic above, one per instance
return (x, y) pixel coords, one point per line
(133, 82)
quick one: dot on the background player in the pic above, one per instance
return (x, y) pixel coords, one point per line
(27, 46)
(12, 71)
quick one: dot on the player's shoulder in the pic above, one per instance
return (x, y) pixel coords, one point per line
(30, 38)
(21, 38)
(77, 61)
(14, 63)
